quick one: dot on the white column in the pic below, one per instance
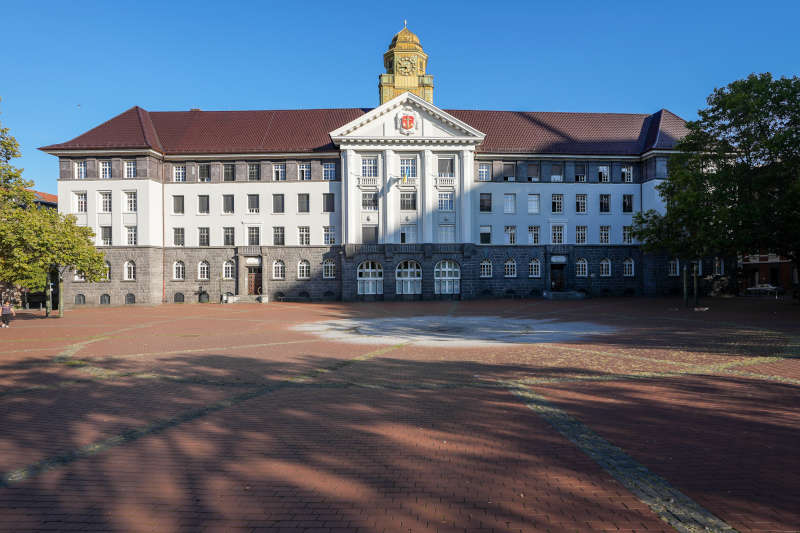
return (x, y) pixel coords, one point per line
(389, 215)
(351, 204)
(428, 201)
(466, 171)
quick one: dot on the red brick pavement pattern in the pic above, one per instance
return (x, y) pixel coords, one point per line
(434, 449)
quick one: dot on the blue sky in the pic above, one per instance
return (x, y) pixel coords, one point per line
(70, 66)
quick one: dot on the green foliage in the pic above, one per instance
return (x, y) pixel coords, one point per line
(32, 240)
(735, 185)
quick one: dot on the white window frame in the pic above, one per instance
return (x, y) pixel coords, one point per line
(130, 169)
(254, 172)
(131, 201)
(553, 239)
(369, 276)
(369, 167)
(328, 235)
(183, 237)
(303, 269)
(482, 232)
(203, 271)
(130, 271)
(510, 235)
(627, 234)
(484, 172)
(557, 200)
(328, 171)
(329, 269)
(580, 234)
(207, 177)
(278, 269)
(534, 235)
(447, 277)
(605, 268)
(509, 203)
(370, 207)
(408, 277)
(510, 268)
(604, 173)
(304, 235)
(674, 267)
(534, 204)
(106, 203)
(447, 233)
(132, 235)
(81, 202)
(446, 201)
(486, 268)
(179, 173)
(534, 268)
(408, 167)
(628, 267)
(228, 270)
(105, 169)
(80, 170)
(581, 203)
(627, 173)
(178, 271)
(109, 241)
(304, 171)
(605, 235)
(581, 268)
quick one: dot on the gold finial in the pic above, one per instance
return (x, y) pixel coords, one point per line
(405, 23)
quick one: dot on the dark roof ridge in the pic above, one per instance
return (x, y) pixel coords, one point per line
(148, 130)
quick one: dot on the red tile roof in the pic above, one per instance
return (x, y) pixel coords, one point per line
(46, 197)
(307, 130)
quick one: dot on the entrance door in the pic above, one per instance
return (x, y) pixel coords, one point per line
(557, 277)
(254, 280)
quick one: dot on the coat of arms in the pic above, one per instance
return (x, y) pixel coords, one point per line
(407, 121)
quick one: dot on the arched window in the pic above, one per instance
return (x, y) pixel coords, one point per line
(178, 270)
(105, 299)
(581, 268)
(130, 271)
(486, 268)
(328, 269)
(605, 268)
(674, 267)
(178, 298)
(627, 268)
(535, 269)
(447, 277)
(510, 268)
(408, 276)
(203, 270)
(370, 278)
(130, 298)
(80, 299)
(303, 269)
(278, 270)
(228, 269)
(108, 272)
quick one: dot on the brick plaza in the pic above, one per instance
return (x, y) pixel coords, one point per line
(227, 418)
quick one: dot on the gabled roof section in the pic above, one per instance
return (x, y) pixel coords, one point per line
(45, 197)
(665, 130)
(130, 130)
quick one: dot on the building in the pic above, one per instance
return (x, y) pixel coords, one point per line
(406, 200)
(45, 199)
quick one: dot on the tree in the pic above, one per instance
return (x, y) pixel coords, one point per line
(734, 186)
(32, 240)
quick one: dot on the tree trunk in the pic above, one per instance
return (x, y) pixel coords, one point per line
(48, 304)
(60, 296)
(685, 286)
(694, 280)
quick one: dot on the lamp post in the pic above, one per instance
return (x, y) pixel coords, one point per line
(591, 282)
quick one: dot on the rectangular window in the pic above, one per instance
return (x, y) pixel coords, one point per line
(446, 167)
(105, 201)
(304, 171)
(674, 268)
(604, 233)
(254, 172)
(627, 234)
(408, 233)
(228, 206)
(130, 169)
(253, 204)
(509, 235)
(603, 174)
(229, 172)
(557, 236)
(627, 203)
(202, 204)
(486, 202)
(557, 204)
(557, 172)
(278, 236)
(203, 237)
(408, 167)
(105, 235)
(627, 173)
(533, 234)
(328, 235)
(533, 171)
(302, 203)
(580, 172)
(130, 201)
(277, 203)
(447, 233)
(80, 170)
(279, 172)
(369, 234)
(485, 172)
(533, 204)
(580, 234)
(369, 201)
(605, 203)
(446, 201)
(580, 203)
(328, 202)
(509, 203)
(179, 173)
(329, 171)
(204, 172)
(228, 236)
(178, 237)
(253, 236)
(133, 235)
(369, 167)
(408, 201)
(105, 170)
(80, 202)
(486, 235)
(303, 235)
(509, 171)
(177, 205)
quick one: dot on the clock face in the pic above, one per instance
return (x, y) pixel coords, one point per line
(406, 65)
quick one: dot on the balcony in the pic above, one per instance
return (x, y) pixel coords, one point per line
(409, 183)
(368, 182)
(445, 182)
(253, 210)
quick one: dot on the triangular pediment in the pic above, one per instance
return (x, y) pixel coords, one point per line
(407, 119)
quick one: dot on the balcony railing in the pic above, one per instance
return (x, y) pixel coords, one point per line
(409, 181)
(445, 182)
(368, 181)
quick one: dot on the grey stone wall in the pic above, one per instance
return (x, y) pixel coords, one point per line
(191, 286)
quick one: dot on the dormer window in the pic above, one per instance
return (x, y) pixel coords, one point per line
(204, 172)
(80, 170)
(304, 171)
(533, 171)
(130, 169)
(603, 175)
(179, 173)
(580, 172)
(509, 171)
(627, 173)
(557, 172)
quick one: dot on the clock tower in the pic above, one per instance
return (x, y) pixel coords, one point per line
(405, 64)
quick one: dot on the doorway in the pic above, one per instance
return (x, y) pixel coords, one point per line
(557, 277)
(254, 280)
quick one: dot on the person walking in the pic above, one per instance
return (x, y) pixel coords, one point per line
(6, 312)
